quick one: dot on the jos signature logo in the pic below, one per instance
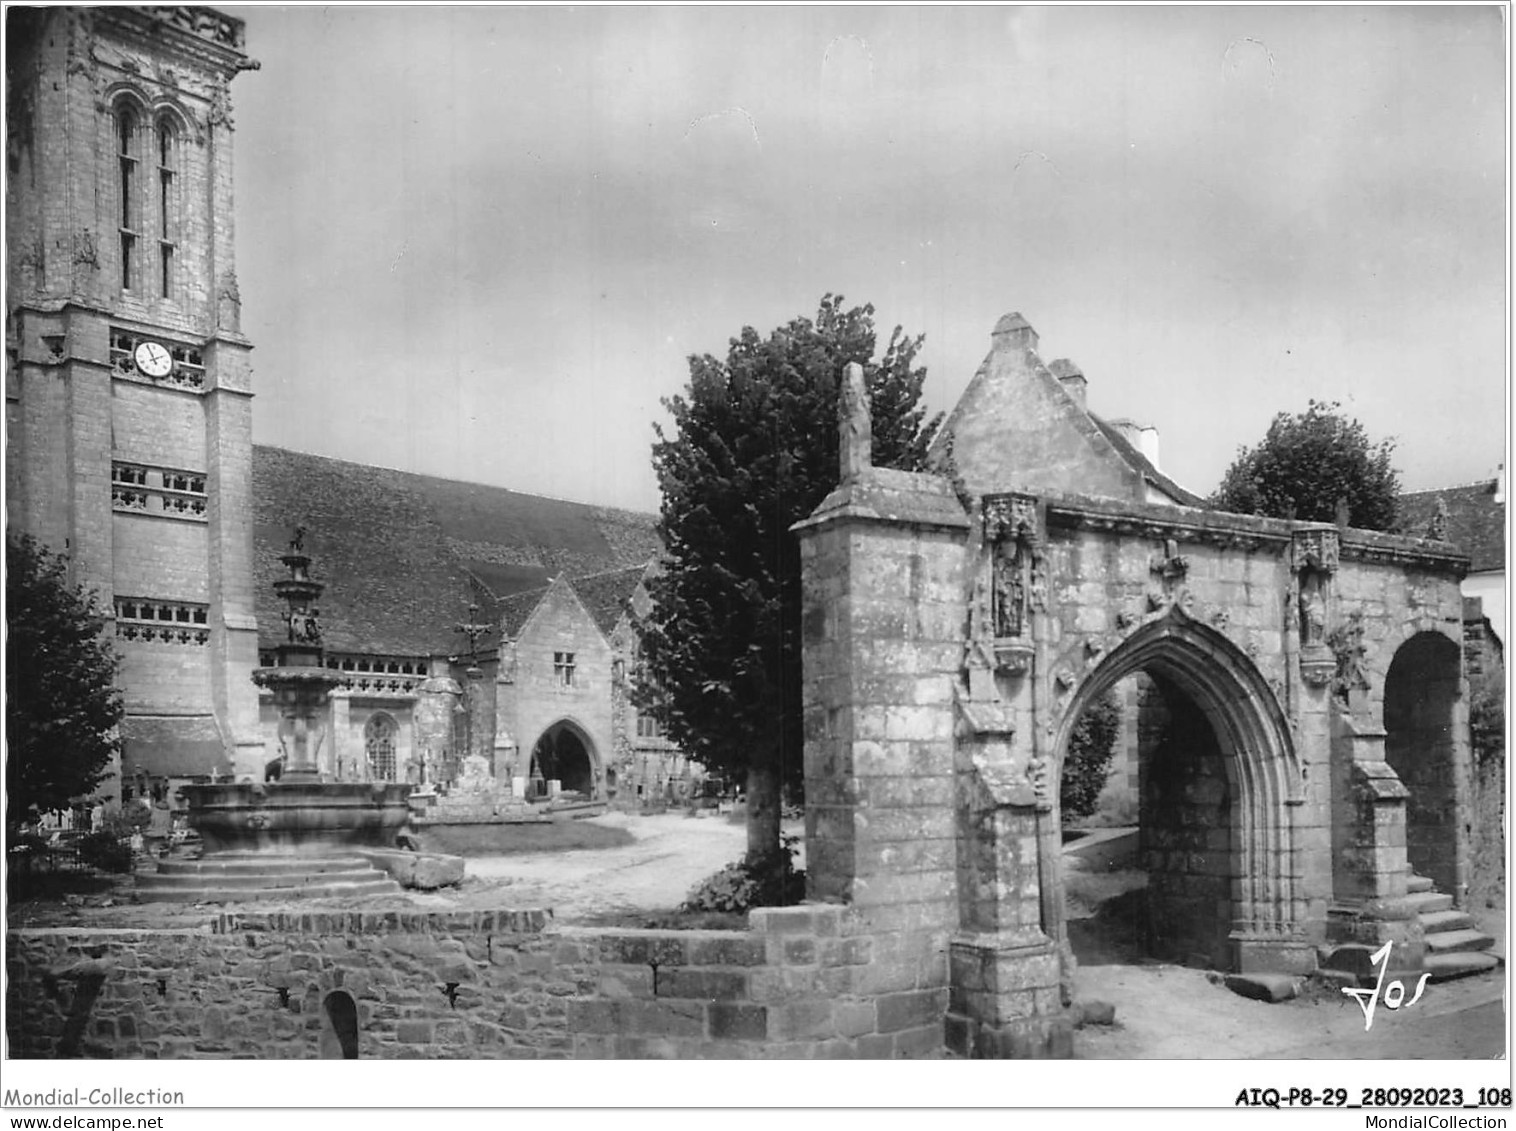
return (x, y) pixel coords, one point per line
(1393, 994)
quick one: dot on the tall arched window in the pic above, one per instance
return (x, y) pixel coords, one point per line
(129, 219)
(168, 202)
(379, 742)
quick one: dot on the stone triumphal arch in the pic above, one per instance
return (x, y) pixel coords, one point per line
(958, 621)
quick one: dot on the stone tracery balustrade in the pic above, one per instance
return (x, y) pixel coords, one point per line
(144, 620)
(161, 491)
(373, 675)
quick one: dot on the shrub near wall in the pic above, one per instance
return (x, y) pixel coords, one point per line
(503, 984)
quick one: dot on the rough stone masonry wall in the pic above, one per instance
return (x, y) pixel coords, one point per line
(1186, 833)
(802, 982)
(1484, 665)
(882, 619)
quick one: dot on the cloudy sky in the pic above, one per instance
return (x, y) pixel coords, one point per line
(481, 242)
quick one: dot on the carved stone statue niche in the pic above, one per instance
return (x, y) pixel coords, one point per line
(1010, 526)
(1010, 598)
(1312, 612)
(1315, 561)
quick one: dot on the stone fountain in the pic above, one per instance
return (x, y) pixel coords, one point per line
(300, 835)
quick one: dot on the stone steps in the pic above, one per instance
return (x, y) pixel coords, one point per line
(150, 894)
(246, 877)
(1433, 922)
(239, 864)
(1455, 947)
(1426, 902)
(1459, 964)
(257, 879)
(1446, 942)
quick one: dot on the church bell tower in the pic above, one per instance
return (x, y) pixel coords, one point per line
(128, 383)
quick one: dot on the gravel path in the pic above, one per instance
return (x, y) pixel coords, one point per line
(671, 854)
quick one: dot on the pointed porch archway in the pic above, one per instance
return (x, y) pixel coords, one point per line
(565, 753)
(1263, 788)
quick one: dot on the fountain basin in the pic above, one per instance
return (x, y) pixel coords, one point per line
(299, 818)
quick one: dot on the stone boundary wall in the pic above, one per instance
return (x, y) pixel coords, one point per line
(802, 982)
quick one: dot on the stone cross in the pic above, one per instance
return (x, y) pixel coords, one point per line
(854, 424)
(473, 631)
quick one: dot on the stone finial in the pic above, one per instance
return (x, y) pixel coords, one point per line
(856, 428)
(1013, 332)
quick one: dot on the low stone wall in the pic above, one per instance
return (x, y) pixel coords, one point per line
(801, 982)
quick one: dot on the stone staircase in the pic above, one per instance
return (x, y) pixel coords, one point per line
(236, 877)
(1455, 946)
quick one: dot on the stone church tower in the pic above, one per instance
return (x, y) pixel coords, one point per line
(128, 384)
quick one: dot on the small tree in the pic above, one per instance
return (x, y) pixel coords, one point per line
(755, 451)
(1088, 761)
(62, 706)
(1310, 464)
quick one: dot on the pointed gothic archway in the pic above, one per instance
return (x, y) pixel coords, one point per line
(565, 753)
(1232, 763)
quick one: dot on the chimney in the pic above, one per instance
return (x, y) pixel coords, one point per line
(1013, 332)
(1500, 484)
(1143, 437)
(1071, 377)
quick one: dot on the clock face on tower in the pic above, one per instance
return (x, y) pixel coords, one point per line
(152, 359)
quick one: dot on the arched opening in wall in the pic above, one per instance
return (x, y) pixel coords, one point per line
(1160, 887)
(379, 735)
(563, 754)
(1205, 870)
(339, 1027)
(1420, 693)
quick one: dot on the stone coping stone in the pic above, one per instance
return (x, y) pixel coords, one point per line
(1068, 509)
(1064, 510)
(126, 934)
(885, 495)
(336, 922)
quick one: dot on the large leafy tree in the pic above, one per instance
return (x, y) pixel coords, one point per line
(1308, 466)
(755, 450)
(62, 705)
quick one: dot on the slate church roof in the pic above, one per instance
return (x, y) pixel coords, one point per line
(1476, 520)
(402, 555)
(608, 595)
